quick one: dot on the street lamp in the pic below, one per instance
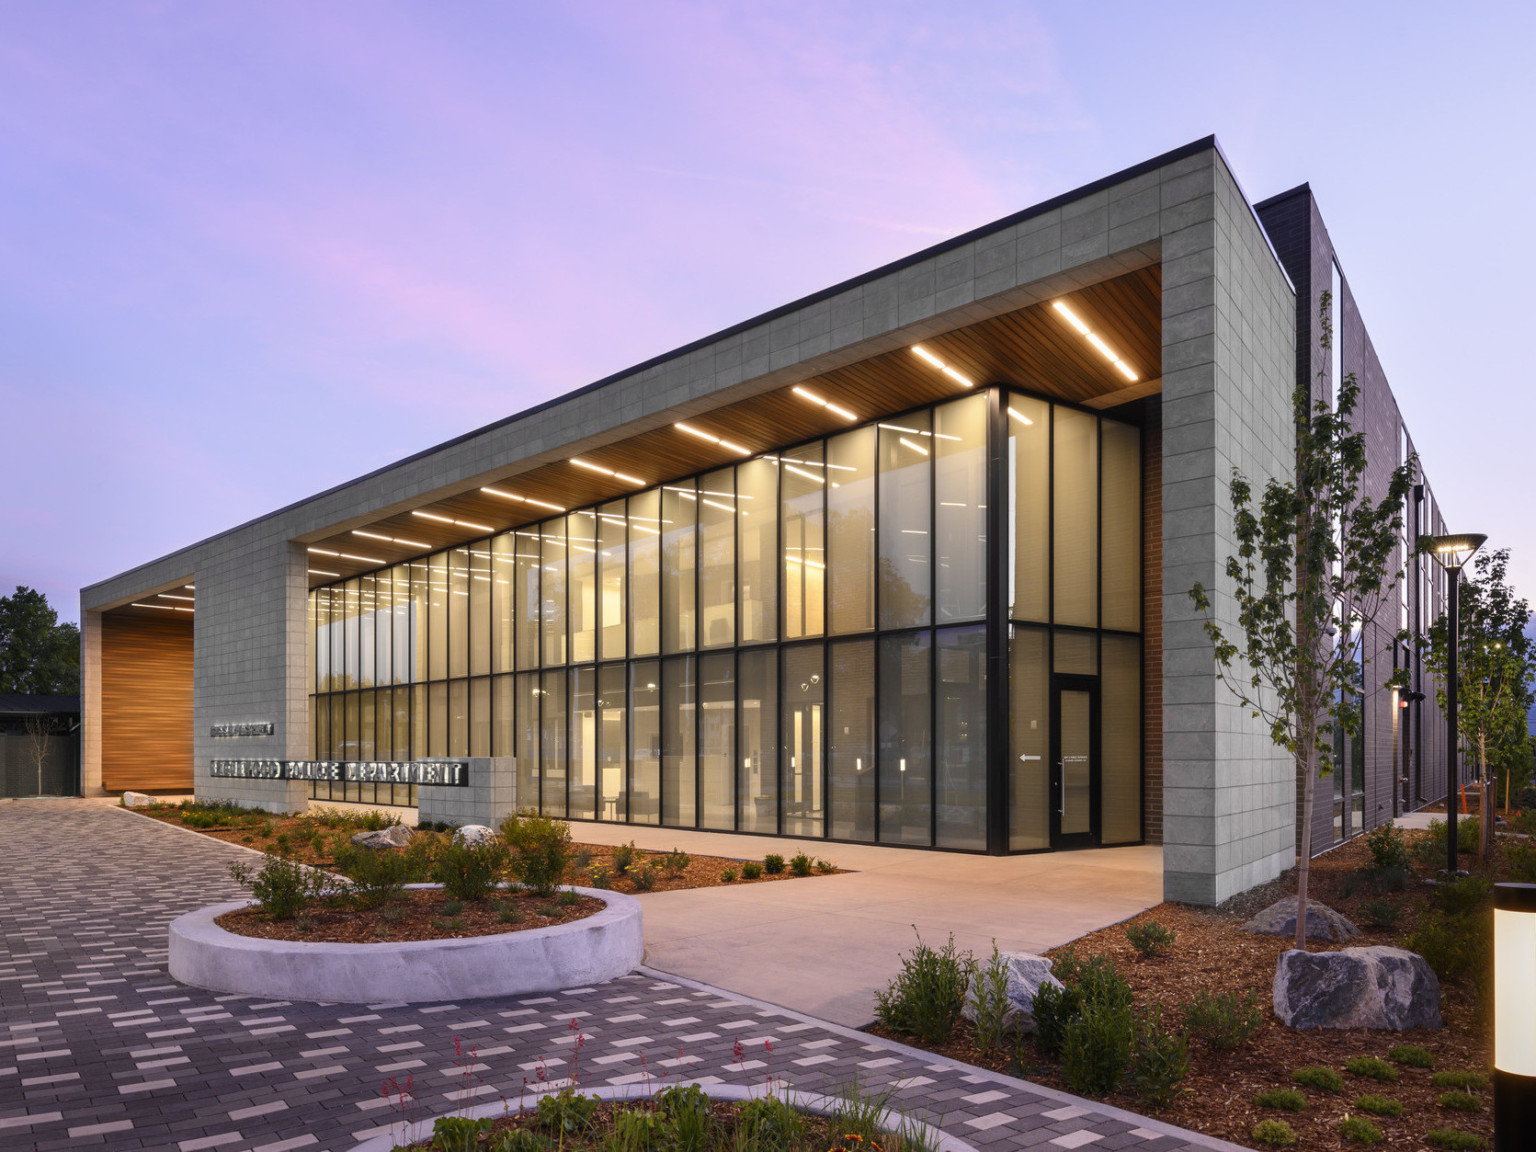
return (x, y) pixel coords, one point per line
(1514, 1015)
(1452, 553)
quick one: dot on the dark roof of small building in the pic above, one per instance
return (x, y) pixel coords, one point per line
(58, 705)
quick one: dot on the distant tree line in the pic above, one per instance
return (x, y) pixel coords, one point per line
(38, 655)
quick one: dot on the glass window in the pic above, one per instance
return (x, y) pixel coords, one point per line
(437, 631)
(402, 723)
(383, 619)
(367, 658)
(583, 758)
(802, 482)
(1120, 740)
(804, 695)
(960, 487)
(320, 728)
(368, 721)
(851, 530)
(717, 739)
(1077, 653)
(437, 718)
(906, 785)
(582, 527)
(757, 548)
(339, 747)
(961, 754)
(851, 743)
(314, 637)
(480, 716)
(458, 718)
(503, 601)
(321, 599)
(906, 514)
(529, 725)
(679, 510)
(552, 603)
(757, 785)
(402, 657)
(679, 773)
(504, 726)
(612, 560)
(458, 612)
(613, 744)
(1076, 500)
(1029, 728)
(717, 558)
(1029, 513)
(1120, 507)
(645, 572)
(526, 564)
(350, 646)
(645, 742)
(420, 623)
(552, 753)
(480, 609)
(421, 721)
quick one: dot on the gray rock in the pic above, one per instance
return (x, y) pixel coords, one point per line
(474, 834)
(395, 836)
(1323, 923)
(1375, 987)
(1026, 973)
(137, 800)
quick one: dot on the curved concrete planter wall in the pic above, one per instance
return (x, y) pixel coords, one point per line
(512, 964)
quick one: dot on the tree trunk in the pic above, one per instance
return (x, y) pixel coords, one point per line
(1307, 759)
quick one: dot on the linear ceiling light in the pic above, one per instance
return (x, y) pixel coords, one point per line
(1019, 416)
(702, 435)
(162, 607)
(598, 468)
(522, 499)
(389, 539)
(317, 572)
(806, 394)
(169, 596)
(451, 520)
(1107, 352)
(941, 366)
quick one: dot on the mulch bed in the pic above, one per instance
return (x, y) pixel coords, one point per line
(1212, 952)
(421, 915)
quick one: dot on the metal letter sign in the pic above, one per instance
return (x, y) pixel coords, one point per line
(454, 773)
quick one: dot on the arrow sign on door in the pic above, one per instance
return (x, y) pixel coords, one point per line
(1026, 757)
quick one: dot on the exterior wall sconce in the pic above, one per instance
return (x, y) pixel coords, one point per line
(1514, 1016)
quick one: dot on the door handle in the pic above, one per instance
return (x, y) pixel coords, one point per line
(1061, 766)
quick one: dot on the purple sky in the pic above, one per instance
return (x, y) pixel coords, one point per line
(248, 251)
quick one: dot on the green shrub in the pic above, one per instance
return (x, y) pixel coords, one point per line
(1458, 1078)
(457, 1133)
(1149, 938)
(1391, 879)
(1468, 832)
(1379, 1106)
(284, 844)
(825, 867)
(540, 850)
(378, 878)
(1389, 847)
(1456, 947)
(1349, 884)
(567, 1111)
(990, 1003)
(1286, 1098)
(1428, 851)
(1319, 1076)
(800, 864)
(1358, 1130)
(602, 879)
(1455, 1140)
(452, 907)
(1274, 1133)
(1095, 1048)
(1412, 1056)
(569, 898)
(643, 877)
(468, 871)
(509, 914)
(675, 863)
(927, 996)
(517, 1140)
(1380, 914)
(638, 1130)
(625, 856)
(375, 821)
(728, 876)
(751, 870)
(770, 1124)
(1521, 862)
(1223, 1019)
(1159, 1061)
(1373, 1067)
(1463, 896)
(1461, 1101)
(773, 863)
(282, 888)
(581, 860)
(687, 1110)
(1094, 980)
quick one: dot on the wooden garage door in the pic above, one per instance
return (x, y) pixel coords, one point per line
(146, 704)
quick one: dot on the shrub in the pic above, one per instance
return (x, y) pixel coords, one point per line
(1456, 947)
(1379, 1106)
(457, 1133)
(751, 870)
(1095, 1048)
(1428, 851)
(1380, 914)
(1053, 1008)
(1159, 1061)
(825, 867)
(989, 1000)
(567, 1111)
(452, 907)
(800, 864)
(602, 879)
(1093, 980)
(375, 821)
(675, 863)
(1274, 1133)
(468, 871)
(688, 1110)
(1412, 1056)
(540, 849)
(1521, 861)
(1391, 879)
(643, 877)
(637, 1130)
(1461, 1101)
(282, 888)
(1463, 896)
(1286, 1098)
(378, 878)
(1321, 1077)
(1389, 847)
(548, 911)
(1358, 1130)
(581, 860)
(1223, 1019)
(1349, 884)
(928, 994)
(569, 898)
(1455, 1140)
(1149, 938)
(284, 844)
(517, 1140)
(773, 863)
(625, 857)
(728, 876)
(1372, 1066)
(1457, 1078)
(770, 1124)
(509, 914)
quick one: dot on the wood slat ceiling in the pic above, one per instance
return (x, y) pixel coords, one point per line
(1034, 348)
(177, 604)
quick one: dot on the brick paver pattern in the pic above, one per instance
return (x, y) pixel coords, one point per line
(100, 1048)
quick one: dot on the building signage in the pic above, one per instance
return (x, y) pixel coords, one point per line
(450, 772)
(252, 728)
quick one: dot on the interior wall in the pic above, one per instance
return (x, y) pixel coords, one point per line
(146, 704)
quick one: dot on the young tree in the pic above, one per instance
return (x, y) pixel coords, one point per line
(1496, 670)
(40, 729)
(38, 655)
(1314, 561)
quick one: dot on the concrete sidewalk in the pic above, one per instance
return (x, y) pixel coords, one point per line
(824, 946)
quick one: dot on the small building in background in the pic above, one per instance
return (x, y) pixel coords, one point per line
(39, 746)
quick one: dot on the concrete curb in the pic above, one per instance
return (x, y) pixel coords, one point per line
(535, 960)
(891, 1119)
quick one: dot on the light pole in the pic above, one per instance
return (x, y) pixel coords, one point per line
(1452, 553)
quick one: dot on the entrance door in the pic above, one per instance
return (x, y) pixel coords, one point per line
(1074, 761)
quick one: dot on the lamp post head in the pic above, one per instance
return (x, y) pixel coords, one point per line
(1452, 552)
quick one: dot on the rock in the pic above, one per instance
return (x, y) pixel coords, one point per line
(1323, 923)
(474, 835)
(1026, 973)
(137, 800)
(395, 836)
(1376, 987)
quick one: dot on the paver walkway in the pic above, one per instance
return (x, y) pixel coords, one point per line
(99, 1048)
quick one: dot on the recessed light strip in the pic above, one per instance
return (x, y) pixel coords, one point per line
(959, 377)
(389, 539)
(1104, 349)
(807, 394)
(598, 468)
(702, 435)
(451, 520)
(522, 499)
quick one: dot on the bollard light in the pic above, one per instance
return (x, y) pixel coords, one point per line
(1514, 1016)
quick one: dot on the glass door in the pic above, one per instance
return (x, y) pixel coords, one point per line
(1074, 761)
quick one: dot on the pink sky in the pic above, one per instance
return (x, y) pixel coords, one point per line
(251, 251)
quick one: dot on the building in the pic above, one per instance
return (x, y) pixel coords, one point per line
(39, 745)
(905, 561)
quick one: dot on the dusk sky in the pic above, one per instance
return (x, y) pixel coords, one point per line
(251, 250)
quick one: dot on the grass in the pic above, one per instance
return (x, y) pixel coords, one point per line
(1287, 1099)
(1322, 1078)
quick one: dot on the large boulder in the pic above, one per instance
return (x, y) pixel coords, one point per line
(474, 835)
(1026, 973)
(137, 800)
(395, 836)
(1323, 923)
(1375, 987)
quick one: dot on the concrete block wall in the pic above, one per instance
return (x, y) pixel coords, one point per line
(489, 797)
